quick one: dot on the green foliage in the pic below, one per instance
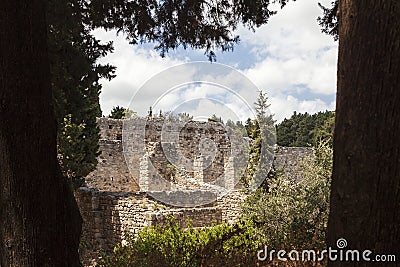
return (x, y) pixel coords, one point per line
(305, 129)
(171, 24)
(171, 245)
(325, 132)
(121, 113)
(293, 214)
(215, 118)
(329, 21)
(75, 75)
(117, 112)
(73, 160)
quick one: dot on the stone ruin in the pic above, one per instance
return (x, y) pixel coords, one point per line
(121, 197)
(164, 156)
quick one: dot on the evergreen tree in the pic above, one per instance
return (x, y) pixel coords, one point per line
(262, 133)
(40, 220)
(365, 195)
(73, 52)
(118, 112)
(215, 118)
(324, 128)
(304, 130)
(329, 21)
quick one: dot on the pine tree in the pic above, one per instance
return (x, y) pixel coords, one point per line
(73, 52)
(118, 112)
(262, 132)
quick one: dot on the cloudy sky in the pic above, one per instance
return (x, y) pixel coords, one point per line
(289, 59)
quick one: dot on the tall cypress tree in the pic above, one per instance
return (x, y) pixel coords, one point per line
(75, 75)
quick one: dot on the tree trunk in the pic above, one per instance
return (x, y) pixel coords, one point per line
(39, 219)
(365, 198)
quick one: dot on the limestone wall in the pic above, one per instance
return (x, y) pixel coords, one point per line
(230, 205)
(112, 173)
(155, 149)
(289, 159)
(108, 215)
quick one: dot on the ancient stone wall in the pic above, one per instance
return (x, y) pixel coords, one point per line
(231, 205)
(108, 215)
(112, 173)
(160, 154)
(290, 159)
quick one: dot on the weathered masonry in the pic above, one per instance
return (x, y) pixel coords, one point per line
(153, 148)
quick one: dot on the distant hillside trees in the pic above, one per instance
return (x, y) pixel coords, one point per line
(306, 129)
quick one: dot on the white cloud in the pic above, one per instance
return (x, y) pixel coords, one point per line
(204, 100)
(291, 50)
(135, 65)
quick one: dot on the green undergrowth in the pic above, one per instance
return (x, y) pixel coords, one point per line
(171, 245)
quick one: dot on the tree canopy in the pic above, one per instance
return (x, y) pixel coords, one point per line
(329, 22)
(203, 24)
(117, 112)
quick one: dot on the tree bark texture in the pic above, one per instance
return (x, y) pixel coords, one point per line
(365, 199)
(39, 219)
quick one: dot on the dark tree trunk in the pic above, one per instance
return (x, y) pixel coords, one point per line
(365, 198)
(39, 219)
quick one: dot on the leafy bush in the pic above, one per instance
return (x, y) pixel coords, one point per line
(171, 245)
(293, 214)
(77, 151)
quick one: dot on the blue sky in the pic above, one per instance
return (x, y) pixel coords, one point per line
(289, 59)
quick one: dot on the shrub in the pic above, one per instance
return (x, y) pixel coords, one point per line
(171, 245)
(293, 214)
